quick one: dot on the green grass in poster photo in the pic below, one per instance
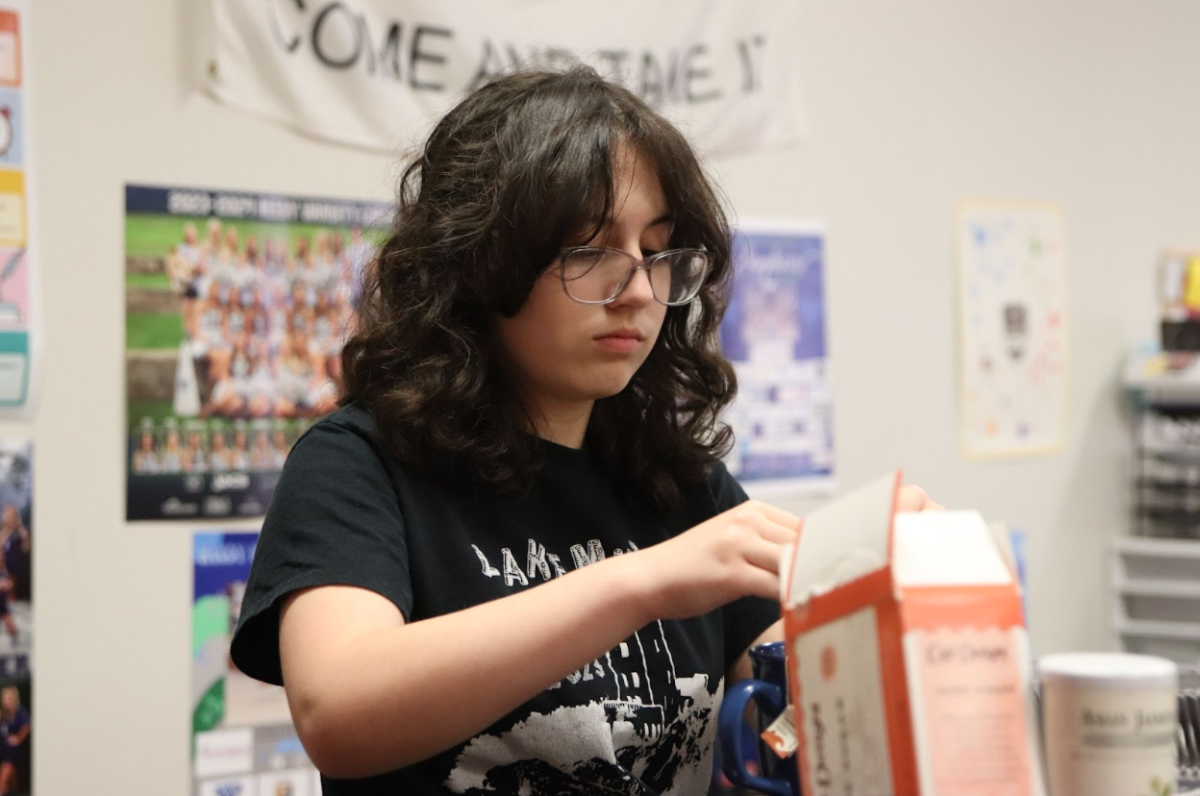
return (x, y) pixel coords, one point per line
(153, 236)
(154, 325)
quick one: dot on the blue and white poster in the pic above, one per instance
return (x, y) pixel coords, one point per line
(243, 740)
(774, 333)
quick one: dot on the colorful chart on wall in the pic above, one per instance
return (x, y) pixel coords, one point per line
(1013, 282)
(774, 333)
(19, 283)
(237, 306)
(16, 615)
(243, 740)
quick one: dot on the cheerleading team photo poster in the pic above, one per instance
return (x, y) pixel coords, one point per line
(237, 307)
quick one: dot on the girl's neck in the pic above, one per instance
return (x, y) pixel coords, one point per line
(566, 424)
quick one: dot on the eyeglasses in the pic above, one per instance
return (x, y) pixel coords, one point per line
(597, 275)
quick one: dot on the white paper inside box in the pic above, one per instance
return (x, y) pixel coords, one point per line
(908, 659)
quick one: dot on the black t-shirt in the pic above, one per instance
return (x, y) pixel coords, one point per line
(639, 720)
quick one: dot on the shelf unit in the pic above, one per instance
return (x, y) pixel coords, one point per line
(1156, 584)
(1156, 569)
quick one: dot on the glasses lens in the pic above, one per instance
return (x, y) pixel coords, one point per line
(594, 275)
(676, 277)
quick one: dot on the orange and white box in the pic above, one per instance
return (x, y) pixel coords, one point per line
(908, 659)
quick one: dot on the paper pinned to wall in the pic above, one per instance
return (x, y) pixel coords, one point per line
(19, 283)
(236, 308)
(1013, 320)
(774, 334)
(243, 739)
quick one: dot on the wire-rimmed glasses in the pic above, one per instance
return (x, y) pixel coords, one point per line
(597, 275)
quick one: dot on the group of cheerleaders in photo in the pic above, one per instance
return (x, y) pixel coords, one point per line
(265, 322)
(213, 446)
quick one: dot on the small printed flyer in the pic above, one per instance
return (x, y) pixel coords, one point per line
(774, 333)
(243, 740)
(1014, 364)
(236, 309)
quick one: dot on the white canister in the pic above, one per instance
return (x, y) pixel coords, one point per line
(1109, 724)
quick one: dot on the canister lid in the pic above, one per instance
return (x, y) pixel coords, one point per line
(1108, 670)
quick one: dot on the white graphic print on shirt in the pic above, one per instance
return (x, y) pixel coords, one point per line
(651, 731)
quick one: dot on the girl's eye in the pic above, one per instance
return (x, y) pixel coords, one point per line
(648, 253)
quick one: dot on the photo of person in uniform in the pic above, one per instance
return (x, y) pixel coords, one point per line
(15, 548)
(145, 458)
(15, 726)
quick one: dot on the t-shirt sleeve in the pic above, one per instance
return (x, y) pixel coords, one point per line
(745, 619)
(335, 519)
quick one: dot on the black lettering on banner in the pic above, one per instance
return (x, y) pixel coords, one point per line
(489, 66)
(616, 64)
(693, 73)
(289, 45)
(671, 78)
(320, 43)
(389, 53)
(751, 51)
(556, 58)
(416, 54)
(653, 88)
(492, 63)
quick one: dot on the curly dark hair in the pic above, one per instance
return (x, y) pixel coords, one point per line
(505, 178)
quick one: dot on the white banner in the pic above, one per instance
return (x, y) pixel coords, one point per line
(377, 73)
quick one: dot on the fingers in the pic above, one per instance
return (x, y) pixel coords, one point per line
(774, 513)
(761, 583)
(762, 555)
(771, 523)
(911, 497)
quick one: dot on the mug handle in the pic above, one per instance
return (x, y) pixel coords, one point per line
(732, 726)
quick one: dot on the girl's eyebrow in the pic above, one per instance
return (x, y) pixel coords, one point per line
(597, 223)
(594, 227)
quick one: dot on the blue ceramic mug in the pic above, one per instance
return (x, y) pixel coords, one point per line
(736, 736)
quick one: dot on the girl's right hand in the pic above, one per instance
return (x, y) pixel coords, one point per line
(735, 554)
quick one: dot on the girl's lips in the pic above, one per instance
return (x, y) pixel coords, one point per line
(619, 343)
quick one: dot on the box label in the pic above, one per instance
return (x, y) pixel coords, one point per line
(845, 730)
(969, 711)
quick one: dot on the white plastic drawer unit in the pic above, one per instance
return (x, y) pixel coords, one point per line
(1156, 585)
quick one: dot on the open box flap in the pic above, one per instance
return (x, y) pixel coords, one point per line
(946, 548)
(842, 541)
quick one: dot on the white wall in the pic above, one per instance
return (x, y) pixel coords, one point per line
(1087, 103)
